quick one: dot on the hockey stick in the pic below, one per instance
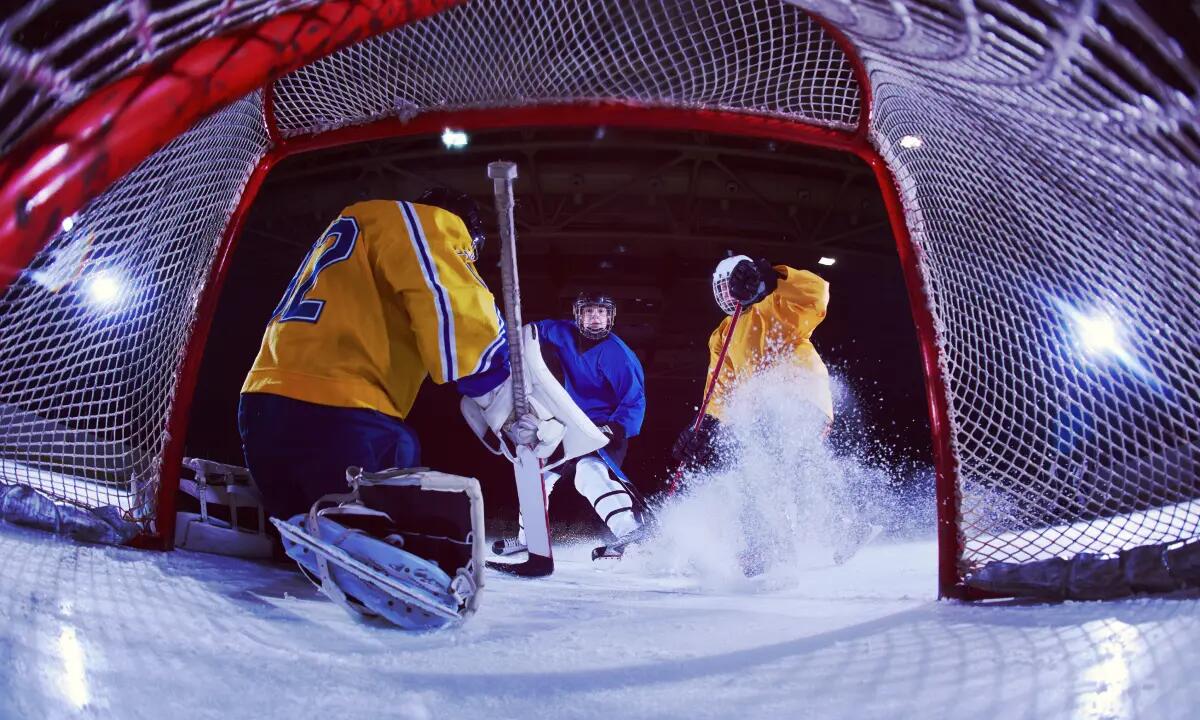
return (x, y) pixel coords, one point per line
(531, 491)
(712, 385)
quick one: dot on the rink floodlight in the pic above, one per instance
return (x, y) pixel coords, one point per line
(911, 142)
(104, 289)
(826, 261)
(455, 139)
(1098, 334)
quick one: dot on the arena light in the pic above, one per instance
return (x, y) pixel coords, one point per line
(826, 261)
(104, 289)
(1098, 334)
(911, 142)
(455, 139)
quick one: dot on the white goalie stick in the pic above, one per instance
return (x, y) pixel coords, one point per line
(531, 491)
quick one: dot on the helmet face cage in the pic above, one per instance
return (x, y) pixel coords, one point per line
(720, 283)
(586, 301)
(721, 293)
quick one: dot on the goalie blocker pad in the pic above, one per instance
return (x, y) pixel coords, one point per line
(564, 433)
(403, 545)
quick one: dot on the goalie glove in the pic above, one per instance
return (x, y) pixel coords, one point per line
(537, 429)
(560, 422)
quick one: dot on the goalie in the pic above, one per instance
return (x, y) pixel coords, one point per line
(385, 298)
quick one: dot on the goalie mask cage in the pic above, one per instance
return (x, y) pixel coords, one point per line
(1039, 162)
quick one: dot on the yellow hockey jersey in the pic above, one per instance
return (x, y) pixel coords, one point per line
(387, 295)
(776, 329)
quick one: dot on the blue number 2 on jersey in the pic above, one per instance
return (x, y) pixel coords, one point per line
(294, 306)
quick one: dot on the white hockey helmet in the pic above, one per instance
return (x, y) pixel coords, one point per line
(720, 282)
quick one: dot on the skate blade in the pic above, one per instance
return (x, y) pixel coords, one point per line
(364, 572)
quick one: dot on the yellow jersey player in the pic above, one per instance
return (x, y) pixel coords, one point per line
(781, 306)
(388, 296)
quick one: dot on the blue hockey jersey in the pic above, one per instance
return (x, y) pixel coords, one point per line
(605, 379)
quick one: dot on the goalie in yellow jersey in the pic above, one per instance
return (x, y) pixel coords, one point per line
(386, 297)
(781, 306)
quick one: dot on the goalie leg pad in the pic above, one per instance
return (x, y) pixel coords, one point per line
(404, 544)
(423, 603)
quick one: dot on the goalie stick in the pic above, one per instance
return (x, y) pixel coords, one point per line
(531, 490)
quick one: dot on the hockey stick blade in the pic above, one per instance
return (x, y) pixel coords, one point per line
(535, 566)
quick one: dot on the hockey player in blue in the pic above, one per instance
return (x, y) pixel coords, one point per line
(606, 381)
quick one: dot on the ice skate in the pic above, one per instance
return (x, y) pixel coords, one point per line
(508, 546)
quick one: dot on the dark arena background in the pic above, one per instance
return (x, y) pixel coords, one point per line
(644, 215)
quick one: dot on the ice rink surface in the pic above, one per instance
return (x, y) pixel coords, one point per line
(107, 632)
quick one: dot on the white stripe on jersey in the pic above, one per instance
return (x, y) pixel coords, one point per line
(486, 358)
(441, 297)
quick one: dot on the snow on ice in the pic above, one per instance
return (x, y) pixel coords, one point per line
(675, 630)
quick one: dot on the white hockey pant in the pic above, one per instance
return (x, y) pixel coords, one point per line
(608, 496)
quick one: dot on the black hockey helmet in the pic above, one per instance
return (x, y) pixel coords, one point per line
(589, 298)
(461, 205)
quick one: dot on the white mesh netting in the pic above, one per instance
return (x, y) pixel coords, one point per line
(54, 53)
(762, 57)
(1053, 197)
(1047, 167)
(94, 331)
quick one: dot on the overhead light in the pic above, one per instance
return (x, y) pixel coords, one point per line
(826, 260)
(455, 139)
(104, 289)
(911, 142)
(68, 223)
(1098, 334)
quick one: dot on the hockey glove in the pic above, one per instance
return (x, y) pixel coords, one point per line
(751, 281)
(524, 430)
(615, 432)
(697, 446)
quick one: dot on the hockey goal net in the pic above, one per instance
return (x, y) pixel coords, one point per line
(1040, 164)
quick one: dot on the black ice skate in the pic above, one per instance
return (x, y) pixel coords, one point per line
(616, 549)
